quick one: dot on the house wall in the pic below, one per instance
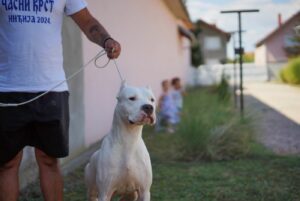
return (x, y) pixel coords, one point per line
(152, 50)
(212, 56)
(271, 54)
(275, 44)
(261, 56)
(275, 48)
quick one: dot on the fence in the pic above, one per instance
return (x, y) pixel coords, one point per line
(207, 75)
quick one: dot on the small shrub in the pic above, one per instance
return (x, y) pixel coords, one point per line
(210, 131)
(194, 137)
(230, 141)
(199, 142)
(291, 73)
(223, 88)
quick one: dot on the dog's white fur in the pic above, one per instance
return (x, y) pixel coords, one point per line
(122, 166)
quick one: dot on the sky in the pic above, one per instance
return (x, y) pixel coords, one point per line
(256, 25)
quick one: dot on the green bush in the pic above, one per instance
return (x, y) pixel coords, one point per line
(211, 130)
(194, 136)
(291, 73)
(223, 88)
(281, 75)
(230, 141)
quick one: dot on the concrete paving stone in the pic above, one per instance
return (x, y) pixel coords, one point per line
(277, 110)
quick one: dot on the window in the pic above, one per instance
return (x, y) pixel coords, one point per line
(212, 43)
(289, 40)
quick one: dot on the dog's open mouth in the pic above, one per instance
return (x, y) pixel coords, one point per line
(145, 119)
(149, 118)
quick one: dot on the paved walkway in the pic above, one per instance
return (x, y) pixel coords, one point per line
(277, 108)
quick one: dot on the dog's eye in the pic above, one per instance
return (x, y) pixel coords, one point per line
(152, 100)
(132, 98)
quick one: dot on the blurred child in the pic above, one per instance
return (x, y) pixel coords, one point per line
(177, 95)
(166, 108)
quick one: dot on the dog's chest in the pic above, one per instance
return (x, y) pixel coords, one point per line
(134, 172)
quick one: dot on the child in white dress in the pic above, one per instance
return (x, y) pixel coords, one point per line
(177, 95)
(167, 109)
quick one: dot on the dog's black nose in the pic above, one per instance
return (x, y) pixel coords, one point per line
(147, 108)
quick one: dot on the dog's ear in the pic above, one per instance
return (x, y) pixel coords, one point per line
(148, 88)
(123, 85)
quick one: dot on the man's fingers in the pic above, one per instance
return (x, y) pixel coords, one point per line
(113, 50)
(113, 55)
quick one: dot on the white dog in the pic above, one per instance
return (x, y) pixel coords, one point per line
(122, 166)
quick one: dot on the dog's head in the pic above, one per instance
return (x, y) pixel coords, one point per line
(136, 105)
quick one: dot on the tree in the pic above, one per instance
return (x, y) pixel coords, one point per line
(196, 53)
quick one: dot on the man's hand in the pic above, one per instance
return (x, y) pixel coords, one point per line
(97, 33)
(112, 48)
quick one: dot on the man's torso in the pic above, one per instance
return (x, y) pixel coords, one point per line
(30, 44)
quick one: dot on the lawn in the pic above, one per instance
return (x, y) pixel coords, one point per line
(226, 175)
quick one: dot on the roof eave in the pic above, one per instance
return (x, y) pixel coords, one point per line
(179, 11)
(226, 34)
(268, 36)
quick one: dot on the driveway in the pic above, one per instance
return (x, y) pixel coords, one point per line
(277, 108)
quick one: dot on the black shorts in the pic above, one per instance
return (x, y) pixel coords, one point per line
(43, 123)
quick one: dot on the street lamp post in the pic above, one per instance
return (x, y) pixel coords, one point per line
(232, 33)
(240, 51)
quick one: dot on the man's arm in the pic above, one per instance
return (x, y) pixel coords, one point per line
(96, 33)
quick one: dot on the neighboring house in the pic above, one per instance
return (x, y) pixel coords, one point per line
(213, 42)
(155, 46)
(270, 51)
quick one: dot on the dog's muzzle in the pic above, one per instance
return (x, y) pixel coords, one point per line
(148, 109)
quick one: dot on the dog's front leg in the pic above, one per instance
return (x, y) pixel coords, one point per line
(130, 197)
(144, 196)
(105, 196)
(92, 194)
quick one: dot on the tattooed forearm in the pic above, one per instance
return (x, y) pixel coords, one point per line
(94, 29)
(97, 33)
(90, 26)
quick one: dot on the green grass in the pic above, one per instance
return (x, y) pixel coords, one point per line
(257, 175)
(268, 179)
(258, 178)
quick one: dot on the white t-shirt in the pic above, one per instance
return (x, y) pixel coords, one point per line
(31, 58)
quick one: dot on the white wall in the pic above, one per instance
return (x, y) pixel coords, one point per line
(209, 75)
(152, 50)
(261, 56)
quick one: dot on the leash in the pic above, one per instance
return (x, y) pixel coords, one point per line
(95, 59)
